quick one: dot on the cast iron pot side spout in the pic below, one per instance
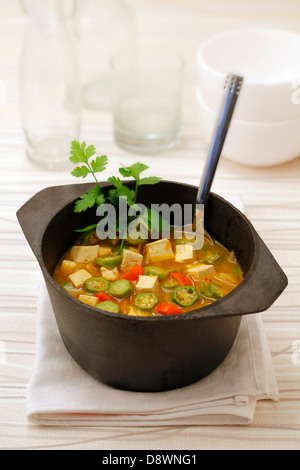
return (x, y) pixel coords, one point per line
(150, 354)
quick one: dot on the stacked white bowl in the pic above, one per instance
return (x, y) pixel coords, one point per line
(265, 129)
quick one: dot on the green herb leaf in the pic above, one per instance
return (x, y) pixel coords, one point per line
(121, 190)
(81, 172)
(133, 171)
(87, 200)
(115, 181)
(99, 164)
(125, 172)
(150, 180)
(113, 197)
(90, 152)
(81, 154)
(78, 154)
(100, 200)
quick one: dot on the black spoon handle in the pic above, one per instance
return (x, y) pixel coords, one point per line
(233, 86)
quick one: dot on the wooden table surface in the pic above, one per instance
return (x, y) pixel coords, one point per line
(272, 202)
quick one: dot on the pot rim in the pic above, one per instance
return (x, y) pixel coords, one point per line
(200, 313)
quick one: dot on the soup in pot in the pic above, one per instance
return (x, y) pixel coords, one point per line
(153, 278)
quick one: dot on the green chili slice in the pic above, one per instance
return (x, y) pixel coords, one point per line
(185, 296)
(146, 301)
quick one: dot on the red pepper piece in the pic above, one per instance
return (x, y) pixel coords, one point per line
(181, 279)
(103, 297)
(168, 309)
(134, 273)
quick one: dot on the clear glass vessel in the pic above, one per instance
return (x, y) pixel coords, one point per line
(50, 91)
(102, 28)
(147, 99)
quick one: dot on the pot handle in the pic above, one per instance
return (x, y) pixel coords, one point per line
(35, 215)
(261, 288)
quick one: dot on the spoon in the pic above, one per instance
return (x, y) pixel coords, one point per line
(233, 87)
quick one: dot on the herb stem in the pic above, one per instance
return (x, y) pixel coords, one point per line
(92, 172)
(134, 201)
(136, 191)
(122, 246)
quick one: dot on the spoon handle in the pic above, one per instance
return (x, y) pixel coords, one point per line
(233, 86)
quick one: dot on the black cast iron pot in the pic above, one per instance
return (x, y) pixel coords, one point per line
(150, 354)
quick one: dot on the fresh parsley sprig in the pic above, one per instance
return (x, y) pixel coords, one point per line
(134, 171)
(80, 153)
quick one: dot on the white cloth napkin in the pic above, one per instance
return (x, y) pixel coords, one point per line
(60, 393)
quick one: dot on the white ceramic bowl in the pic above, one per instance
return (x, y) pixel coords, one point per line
(253, 144)
(269, 61)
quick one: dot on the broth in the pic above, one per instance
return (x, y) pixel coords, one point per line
(162, 277)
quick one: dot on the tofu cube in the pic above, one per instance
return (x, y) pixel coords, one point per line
(84, 254)
(104, 251)
(135, 249)
(184, 253)
(67, 267)
(110, 274)
(89, 300)
(134, 312)
(147, 284)
(200, 270)
(79, 277)
(130, 259)
(160, 250)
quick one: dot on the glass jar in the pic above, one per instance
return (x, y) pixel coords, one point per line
(50, 87)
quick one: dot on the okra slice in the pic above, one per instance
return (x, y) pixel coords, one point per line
(146, 301)
(212, 291)
(211, 257)
(156, 271)
(185, 296)
(132, 242)
(120, 288)
(238, 271)
(67, 286)
(169, 283)
(187, 241)
(89, 238)
(109, 262)
(109, 306)
(96, 284)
